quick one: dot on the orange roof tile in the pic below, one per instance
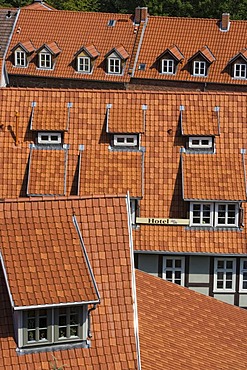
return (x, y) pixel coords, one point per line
(47, 171)
(195, 332)
(120, 50)
(206, 53)
(93, 29)
(39, 5)
(90, 50)
(27, 46)
(174, 51)
(7, 21)
(226, 173)
(52, 47)
(196, 121)
(45, 117)
(125, 117)
(113, 343)
(189, 34)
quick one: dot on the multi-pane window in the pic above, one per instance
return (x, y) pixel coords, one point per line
(201, 214)
(167, 66)
(243, 275)
(114, 65)
(240, 70)
(226, 214)
(199, 68)
(45, 326)
(45, 60)
(49, 138)
(173, 269)
(198, 142)
(224, 274)
(125, 140)
(20, 58)
(84, 64)
(214, 214)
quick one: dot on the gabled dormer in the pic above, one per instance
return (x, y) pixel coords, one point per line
(85, 58)
(200, 62)
(238, 65)
(21, 53)
(47, 55)
(116, 60)
(169, 60)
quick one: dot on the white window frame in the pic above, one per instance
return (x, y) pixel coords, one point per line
(133, 209)
(243, 270)
(52, 327)
(167, 66)
(201, 67)
(125, 142)
(240, 70)
(225, 271)
(20, 58)
(114, 66)
(84, 64)
(201, 216)
(45, 60)
(49, 140)
(174, 269)
(200, 145)
(226, 224)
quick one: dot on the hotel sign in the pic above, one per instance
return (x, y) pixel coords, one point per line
(162, 221)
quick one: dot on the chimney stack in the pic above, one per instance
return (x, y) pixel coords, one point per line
(225, 22)
(141, 14)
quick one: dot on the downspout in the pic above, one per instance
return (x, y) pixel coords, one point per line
(89, 334)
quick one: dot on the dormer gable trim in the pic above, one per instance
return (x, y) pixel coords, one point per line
(242, 54)
(174, 52)
(206, 53)
(120, 51)
(90, 50)
(26, 46)
(51, 47)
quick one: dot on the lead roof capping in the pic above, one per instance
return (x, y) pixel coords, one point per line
(216, 109)
(65, 127)
(144, 108)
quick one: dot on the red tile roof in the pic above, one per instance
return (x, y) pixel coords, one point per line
(206, 53)
(26, 45)
(104, 226)
(39, 5)
(190, 35)
(153, 174)
(198, 121)
(191, 331)
(126, 117)
(46, 118)
(47, 172)
(174, 51)
(213, 177)
(92, 28)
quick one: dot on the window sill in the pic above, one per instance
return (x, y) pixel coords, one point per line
(126, 149)
(54, 347)
(213, 228)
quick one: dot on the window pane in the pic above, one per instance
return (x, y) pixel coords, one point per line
(229, 264)
(245, 264)
(195, 142)
(244, 284)
(43, 334)
(220, 275)
(62, 320)
(177, 282)
(228, 284)
(54, 137)
(62, 332)
(177, 274)
(219, 284)
(31, 336)
(196, 207)
(178, 263)
(45, 137)
(168, 263)
(74, 331)
(228, 276)
(169, 275)
(220, 264)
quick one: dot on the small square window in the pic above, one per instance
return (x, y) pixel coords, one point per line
(201, 214)
(114, 65)
(199, 68)
(45, 60)
(84, 64)
(125, 140)
(173, 269)
(200, 142)
(167, 66)
(226, 215)
(224, 274)
(20, 58)
(49, 138)
(240, 70)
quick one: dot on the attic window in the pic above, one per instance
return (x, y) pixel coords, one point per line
(114, 65)
(142, 67)
(125, 140)
(49, 138)
(199, 68)
(84, 64)
(20, 58)
(45, 60)
(200, 142)
(111, 23)
(167, 66)
(48, 326)
(240, 70)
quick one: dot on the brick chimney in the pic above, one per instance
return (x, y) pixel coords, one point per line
(141, 14)
(225, 22)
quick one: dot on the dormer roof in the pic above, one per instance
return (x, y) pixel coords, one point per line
(206, 53)
(199, 121)
(241, 54)
(52, 47)
(121, 52)
(174, 52)
(45, 117)
(27, 46)
(90, 50)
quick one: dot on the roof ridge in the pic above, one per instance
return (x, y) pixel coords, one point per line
(58, 198)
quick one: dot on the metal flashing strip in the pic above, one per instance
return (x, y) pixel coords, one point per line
(33, 105)
(139, 47)
(243, 152)
(69, 105)
(86, 257)
(108, 107)
(50, 305)
(206, 254)
(60, 347)
(6, 281)
(144, 109)
(134, 295)
(181, 109)
(217, 110)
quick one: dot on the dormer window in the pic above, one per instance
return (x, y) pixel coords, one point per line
(200, 142)
(49, 138)
(114, 65)
(20, 58)
(84, 64)
(167, 66)
(45, 60)
(240, 70)
(125, 140)
(214, 214)
(199, 68)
